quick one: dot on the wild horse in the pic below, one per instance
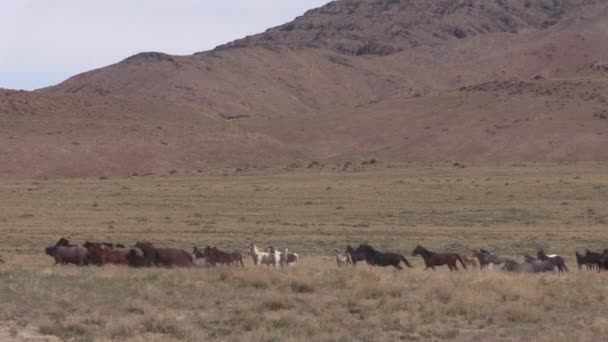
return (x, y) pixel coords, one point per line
(375, 258)
(215, 256)
(432, 259)
(486, 258)
(556, 260)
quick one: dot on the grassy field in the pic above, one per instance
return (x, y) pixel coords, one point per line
(511, 209)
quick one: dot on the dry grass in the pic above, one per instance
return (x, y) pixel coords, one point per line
(512, 209)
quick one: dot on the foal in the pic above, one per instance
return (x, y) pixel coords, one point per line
(343, 259)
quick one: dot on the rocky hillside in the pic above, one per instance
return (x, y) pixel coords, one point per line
(384, 27)
(466, 80)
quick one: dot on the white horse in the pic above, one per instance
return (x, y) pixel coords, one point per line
(263, 258)
(343, 259)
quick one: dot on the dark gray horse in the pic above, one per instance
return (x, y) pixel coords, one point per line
(485, 258)
(536, 266)
(556, 260)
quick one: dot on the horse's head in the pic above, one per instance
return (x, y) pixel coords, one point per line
(197, 252)
(418, 250)
(63, 242)
(207, 252)
(541, 255)
(50, 250)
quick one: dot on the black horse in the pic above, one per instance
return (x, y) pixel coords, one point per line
(584, 260)
(375, 258)
(557, 260)
(432, 259)
(594, 260)
(355, 254)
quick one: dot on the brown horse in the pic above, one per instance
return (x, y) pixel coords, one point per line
(115, 256)
(68, 255)
(164, 256)
(215, 256)
(432, 259)
(95, 253)
(100, 254)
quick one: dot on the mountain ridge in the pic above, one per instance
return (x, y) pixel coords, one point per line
(300, 95)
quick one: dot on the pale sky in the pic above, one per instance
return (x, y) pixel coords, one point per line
(43, 42)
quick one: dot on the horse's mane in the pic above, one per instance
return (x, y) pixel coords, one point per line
(424, 249)
(368, 247)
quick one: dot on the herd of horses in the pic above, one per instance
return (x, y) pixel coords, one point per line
(541, 263)
(145, 254)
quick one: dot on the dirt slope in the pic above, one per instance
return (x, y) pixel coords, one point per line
(401, 80)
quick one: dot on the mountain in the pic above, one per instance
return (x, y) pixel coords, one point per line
(433, 80)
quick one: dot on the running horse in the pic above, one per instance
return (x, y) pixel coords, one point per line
(167, 257)
(376, 258)
(432, 259)
(556, 260)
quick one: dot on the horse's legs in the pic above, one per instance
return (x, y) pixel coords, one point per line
(397, 266)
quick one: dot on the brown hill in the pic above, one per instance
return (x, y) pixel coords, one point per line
(401, 80)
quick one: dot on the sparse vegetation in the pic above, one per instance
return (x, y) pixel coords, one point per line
(387, 207)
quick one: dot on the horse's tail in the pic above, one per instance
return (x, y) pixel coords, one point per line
(405, 261)
(462, 262)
